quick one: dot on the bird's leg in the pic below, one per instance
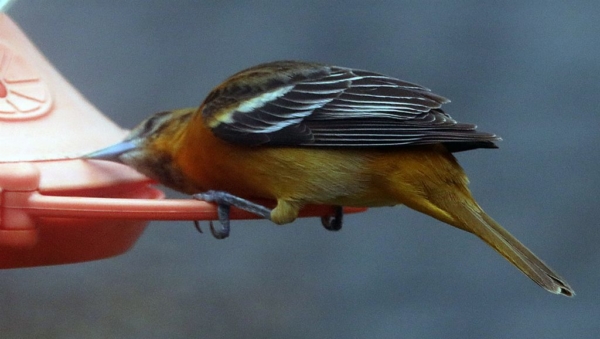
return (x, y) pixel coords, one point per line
(334, 223)
(284, 213)
(224, 200)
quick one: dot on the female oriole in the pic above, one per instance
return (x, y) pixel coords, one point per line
(305, 133)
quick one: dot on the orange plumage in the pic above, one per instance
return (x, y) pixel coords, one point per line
(304, 133)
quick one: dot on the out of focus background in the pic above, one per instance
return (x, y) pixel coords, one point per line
(527, 71)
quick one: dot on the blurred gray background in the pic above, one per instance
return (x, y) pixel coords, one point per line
(528, 71)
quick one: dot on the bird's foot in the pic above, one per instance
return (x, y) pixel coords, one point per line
(334, 223)
(224, 200)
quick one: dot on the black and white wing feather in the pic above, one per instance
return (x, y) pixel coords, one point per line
(290, 103)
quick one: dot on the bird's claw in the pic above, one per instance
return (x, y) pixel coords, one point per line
(224, 200)
(334, 223)
(223, 232)
(197, 226)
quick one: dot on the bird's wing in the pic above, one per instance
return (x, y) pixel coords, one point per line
(301, 104)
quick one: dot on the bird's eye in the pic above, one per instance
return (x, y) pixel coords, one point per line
(149, 125)
(154, 122)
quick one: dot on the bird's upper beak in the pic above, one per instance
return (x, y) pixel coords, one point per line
(112, 153)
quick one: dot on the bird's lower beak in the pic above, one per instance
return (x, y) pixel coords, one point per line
(111, 153)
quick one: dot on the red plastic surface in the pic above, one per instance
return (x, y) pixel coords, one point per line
(42, 116)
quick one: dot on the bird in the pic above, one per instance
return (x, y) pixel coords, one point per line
(303, 133)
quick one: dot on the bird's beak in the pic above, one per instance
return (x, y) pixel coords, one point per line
(111, 153)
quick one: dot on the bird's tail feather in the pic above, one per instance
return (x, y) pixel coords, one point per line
(466, 214)
(514, 251)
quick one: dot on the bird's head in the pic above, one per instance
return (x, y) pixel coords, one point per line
(153, 138)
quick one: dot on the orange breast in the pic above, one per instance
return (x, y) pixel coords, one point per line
(306, 174)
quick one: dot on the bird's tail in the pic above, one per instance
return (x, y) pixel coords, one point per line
(460, 210)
